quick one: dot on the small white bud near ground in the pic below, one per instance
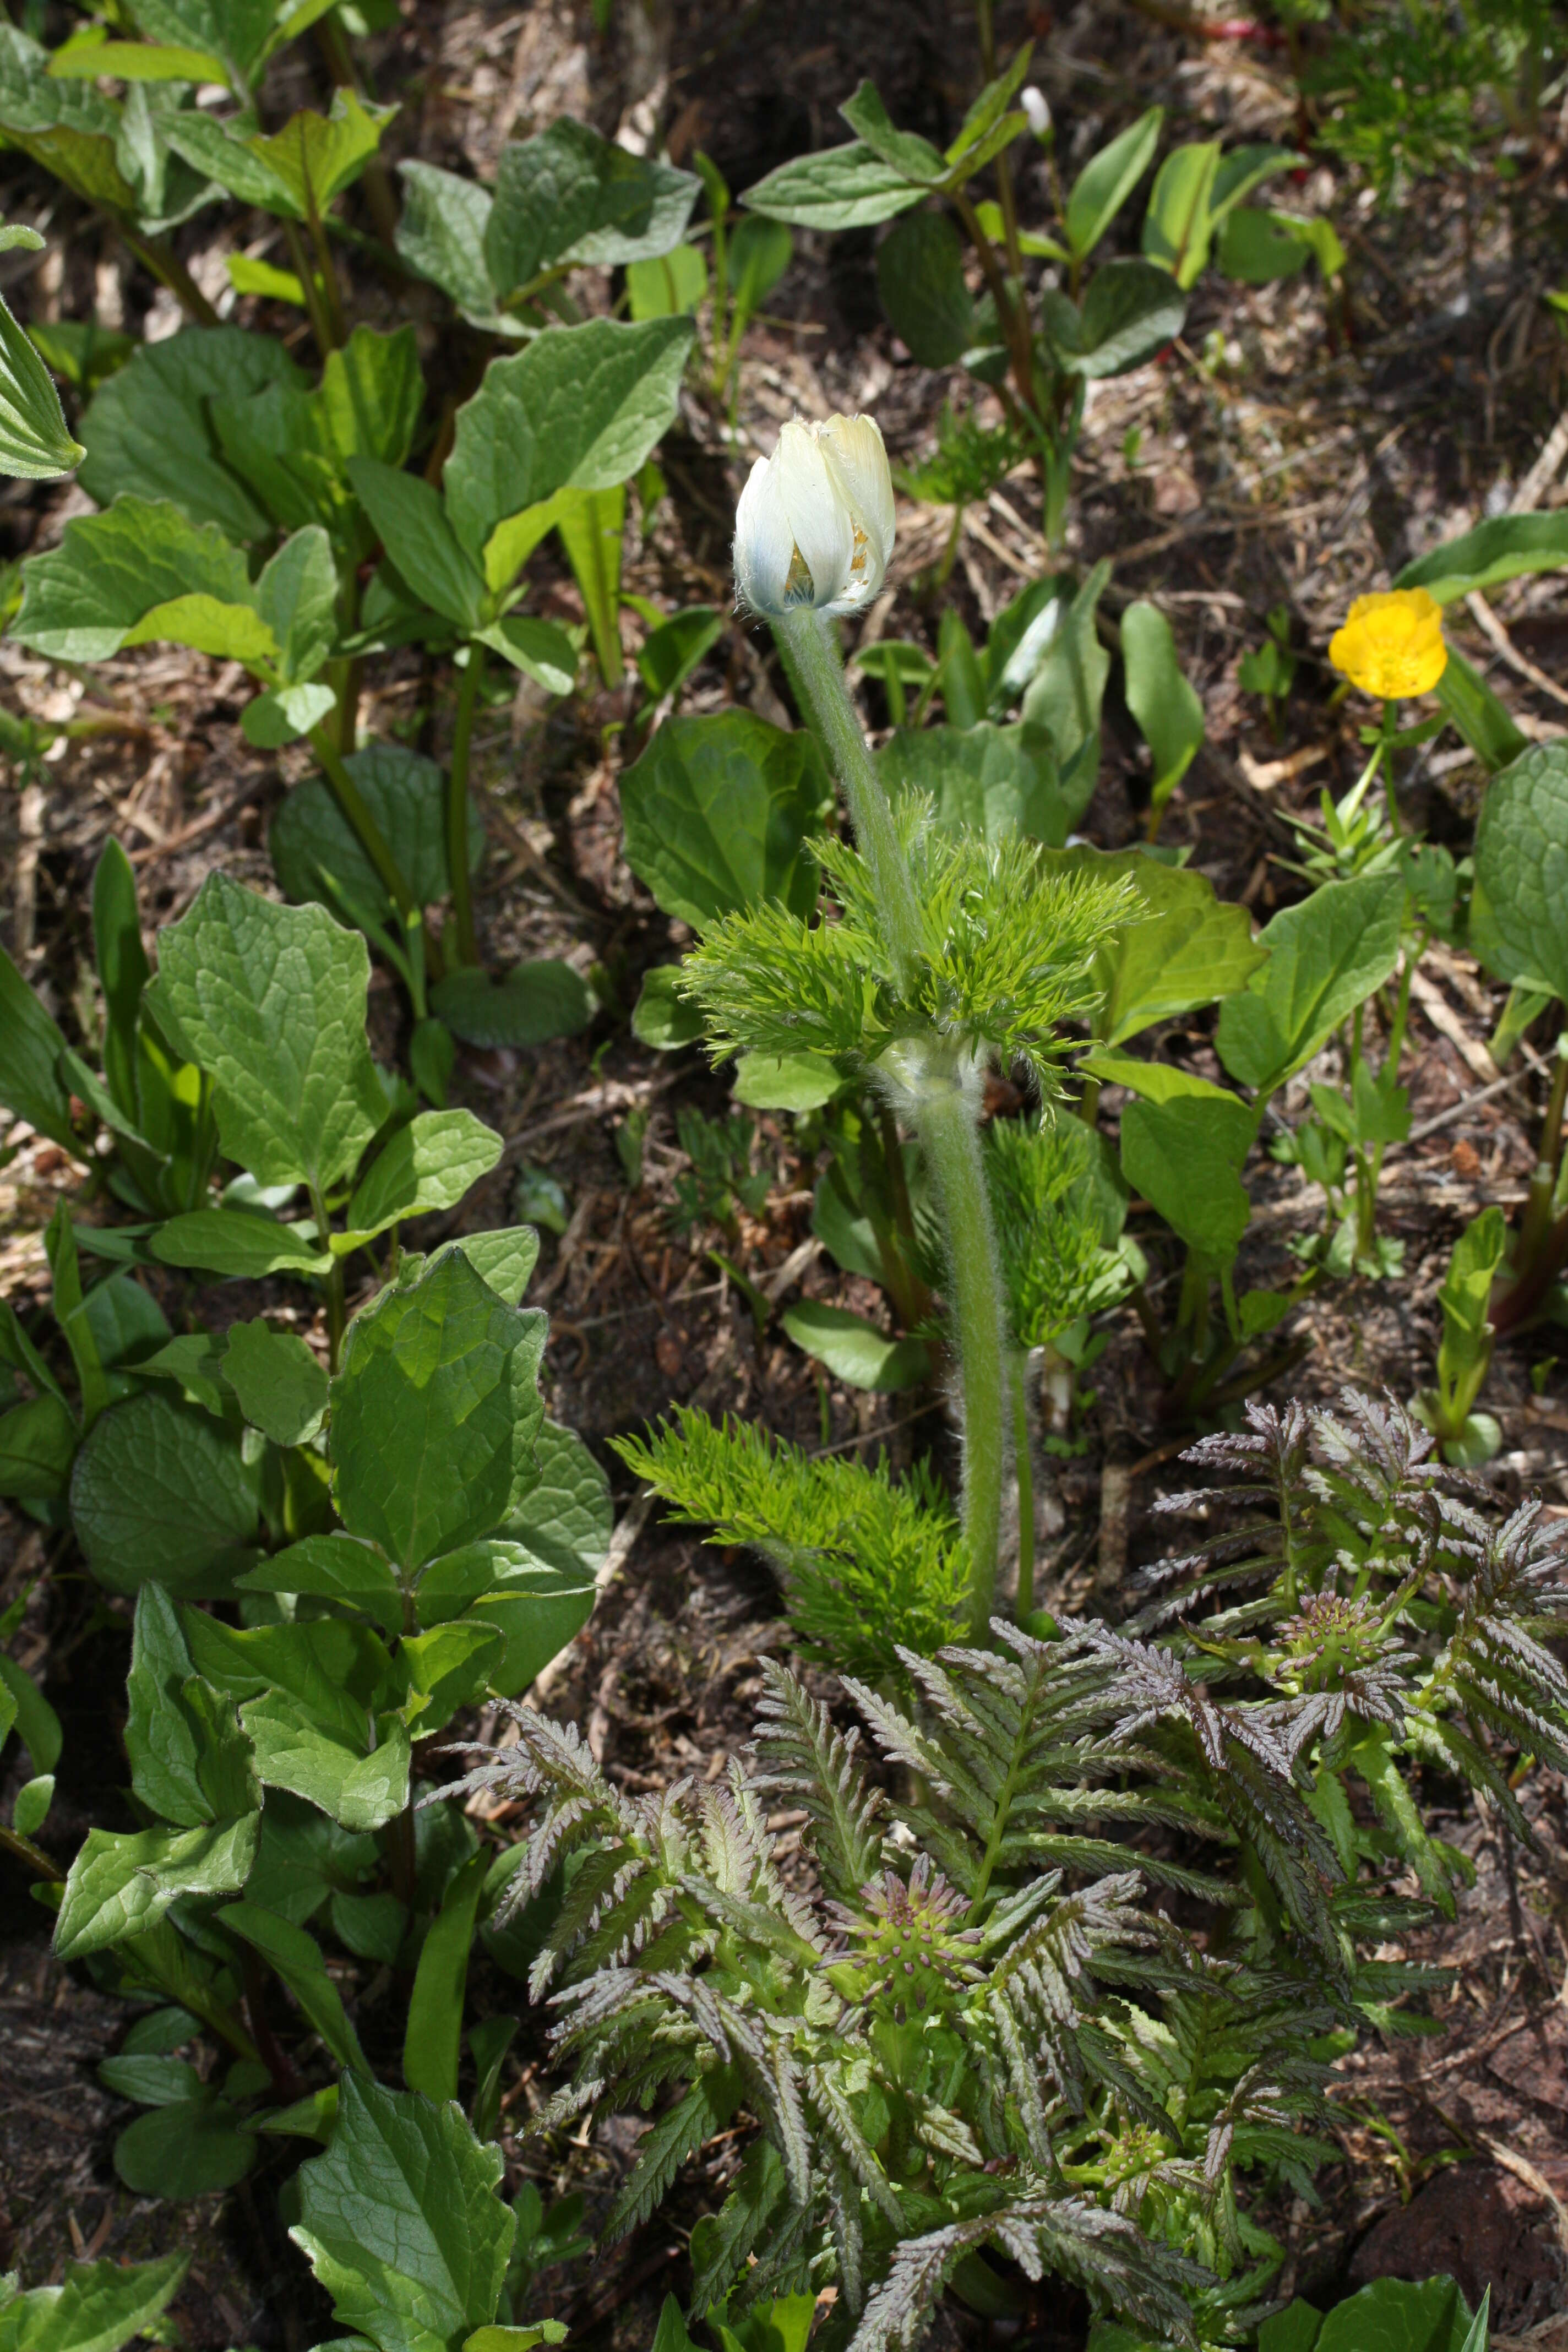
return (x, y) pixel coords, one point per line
(1033, 102)
(814, 522)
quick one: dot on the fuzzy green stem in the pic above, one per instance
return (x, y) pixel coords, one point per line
(945, 1100)
(1023, 1461)
(946, 1125)
(818, 671)
(457, 806)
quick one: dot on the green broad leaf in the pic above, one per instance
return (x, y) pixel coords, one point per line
(429, 1164)
(335, 1671)
(591, 525)
(1160, 697)
(296, 1750)
(31, 1810)
(531, 1005)
(1258, 247)
(119, 1885)
(1478, 715)
(1108, 179)
(157, 2032)
(413, 526)
(1179, 224)
(1156, 1082)
(34, 1719)
(34, 443)
(137, 571)
(1494, 551)
(1466, 1293)
(503, 1259)
(984, 779)
(1184, 1157)
(543, 2331)
(193, 1362)
(441, 237)
(986, 110)
(133, 61)
(332, 1568)
(541, 650)
(579, 409)
(838, 187)
(125, 1321)
(224, 631)
(448, 1668)
(1518, 914)
(297, 1959)
(718, 812)
(281, 1385)
(1396, 2315)
(436, 1413)
(433, 2040)
(178, 2153)
(189, 1759)
(68, 127)
(316, 156)
(1187, 948)
(296, 597)
(760, 252)
(661, 1016)
(855, 1350)
(242, 32)
(270, 1001)
(31, 1045)
(236, 1243)
(795, 1082)
(1325, 957)
(97, 2306)
(159, 1491)
(401, 2222)
(1131, 311)
(149, 429)
(920, 275)
(314, 846)
(38, 1445)
(371, 393)
(568, 197)
(672, 651)
(283, 714)
(673, 283)
(1067, 690)
(781, 2325)
(904, 152)
(151, 2082)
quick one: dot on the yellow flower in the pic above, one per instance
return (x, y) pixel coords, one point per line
(1392, 645)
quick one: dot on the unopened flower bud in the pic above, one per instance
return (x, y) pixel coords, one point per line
(814, 522)
(1033, 102)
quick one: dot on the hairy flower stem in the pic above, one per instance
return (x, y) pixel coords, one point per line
(818, 672)
(943, 1100)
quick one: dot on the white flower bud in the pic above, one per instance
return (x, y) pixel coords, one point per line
(1033, 102)
(815, 523)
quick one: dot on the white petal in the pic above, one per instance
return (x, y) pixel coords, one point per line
(813, 498)
(765, 542)
(853, 445)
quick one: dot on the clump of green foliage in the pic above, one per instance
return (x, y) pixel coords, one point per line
(973, 2036)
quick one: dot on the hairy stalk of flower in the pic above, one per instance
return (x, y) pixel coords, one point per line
(938, 1090)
